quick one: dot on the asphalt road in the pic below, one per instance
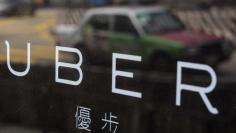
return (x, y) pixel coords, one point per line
(36, 30)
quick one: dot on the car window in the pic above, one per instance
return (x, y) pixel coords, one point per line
(99, 22)
(123, 24)
(156, 22)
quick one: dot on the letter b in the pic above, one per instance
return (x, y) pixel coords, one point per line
(76, 66)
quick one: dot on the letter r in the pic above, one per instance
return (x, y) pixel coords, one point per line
(201, 90)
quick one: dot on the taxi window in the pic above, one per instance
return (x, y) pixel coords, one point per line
(123, 24)
(99, 22)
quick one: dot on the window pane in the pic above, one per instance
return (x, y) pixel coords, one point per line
(123, 24)
(99, 22)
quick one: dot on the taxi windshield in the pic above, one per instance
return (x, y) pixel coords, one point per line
(156, 22)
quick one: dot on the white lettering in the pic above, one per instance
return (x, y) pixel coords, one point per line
(116, 73)
(68, 65)
(26, 71)
(201, 90)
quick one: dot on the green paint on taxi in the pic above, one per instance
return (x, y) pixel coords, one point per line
(145, 45)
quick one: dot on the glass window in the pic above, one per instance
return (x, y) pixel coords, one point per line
(155, 22)
(99, 22)
(123, 24)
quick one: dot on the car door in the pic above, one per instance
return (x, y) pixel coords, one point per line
(125, 37)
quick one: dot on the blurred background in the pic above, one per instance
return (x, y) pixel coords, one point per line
(202, 31)
(36, 21)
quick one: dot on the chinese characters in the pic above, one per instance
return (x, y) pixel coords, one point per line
(83, 120)
(109, 122)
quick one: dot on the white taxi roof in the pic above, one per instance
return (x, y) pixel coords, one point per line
(126, 10)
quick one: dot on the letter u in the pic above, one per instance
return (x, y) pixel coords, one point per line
(17, 73)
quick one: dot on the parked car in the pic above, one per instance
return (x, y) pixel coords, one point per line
(154, 33)
(17, 7)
